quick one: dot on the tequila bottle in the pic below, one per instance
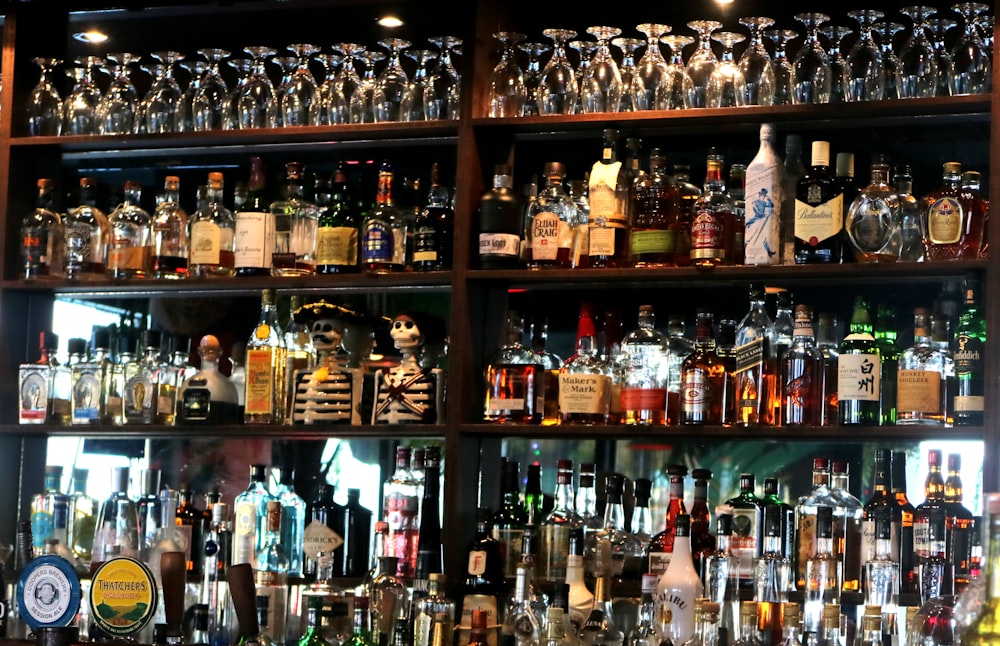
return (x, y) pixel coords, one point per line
(86, 234)
(295, 223)
(265, 367)
(208, 396)
(142, 378)
(91, 379)
(40, 235)
(608, 194)
(38, 402)
(211, 235)
(130, 247)
(921, 381)
(553, 223)
(169, 255)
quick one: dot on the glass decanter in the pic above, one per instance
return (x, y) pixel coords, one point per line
(918, 64)
(702, 62)
(865, 74)
(971, 56)
(209, 105)
(651, 71)
(783, 71)
(298, 97)
(45, 110)
(116, 110)
(444, 92)
(627, 69)
(507, 91)
(256, 105)
(755, 63)
(811, 74)
(557, 89)
(601, 90)
(677, 86)
(726, 85)
(413, 105)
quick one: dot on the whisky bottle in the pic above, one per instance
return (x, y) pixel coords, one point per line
(86, 234)
(500, 222)
(703, 377)
(678, 348)
(553, 223)
(873, 218)
(211, 235)
(933, 500)
(383, 232)
(254, 227)
(265, 367)
(41, 235)
(889, 351)
(713, 218)
(756, 363)
(819, 211)
(689, 195)
(792, 172)
(169, 255)
(338, 227)
(859, 372)
(968, 351)
(702, 539)
(295, 224)
(585, 379)
(608, 195)
(510, 519)
(801, 375)
(848, 518)
(736, 237)
(977, 207)
(656, 217)
(131, 229)
(551, 363)
(644, 386)
(483, 582)
(514, 381)
(764, 178)
(844, 176)
(911, 243)
(944, 217)
(434, 226)
(958, 524)
(921, 383)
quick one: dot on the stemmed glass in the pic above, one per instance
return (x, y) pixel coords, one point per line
(195, 68)
(891, 65)
(651, 69)
(45, 107)
(361, 107)
(840, 78)
(811, 75)
(347, 79)
(602, 82)
(783, 71)
(329, 105)
(918, 65)
(116, 110)
(973, 69)
(444, 93)
(154, 71)
(755, 63)
(391, 83)
(532, 75)
(585, 50)
(296, 100)
(676, 86)
(702, 62)
(557, 89)
(939, 27)
(726, 86)
(244, 68)
(413, 105)
(256, 105)
(866, 76)
(80, 107)
(507, 91)
(208, 109)
(986, 26)
(628, 47)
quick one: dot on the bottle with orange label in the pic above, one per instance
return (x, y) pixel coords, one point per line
(265, 367)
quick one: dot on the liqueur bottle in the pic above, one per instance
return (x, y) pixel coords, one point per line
(208, 396)
(678, 587)
(401, 506)
(337, 227)
(500, 222)
(131, 229)
(748, 529)
(40, 235)
(86, 234)
(553, 223)
(859, 370)
(713, 218)
(968, 349)
(433, 227)
(253, 238)
(296, 220)
(514, 382)
(211, 236)
(169, 255)
(819, 211)
(764, 178)
(608, 194)
(656, 217)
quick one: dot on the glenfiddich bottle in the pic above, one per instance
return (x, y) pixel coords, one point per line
(969, 352)
(819, 211)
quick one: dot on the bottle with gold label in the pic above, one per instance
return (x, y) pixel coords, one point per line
(265, 367)
(585, 379)
(608, 194)
(943, 216)
(337, 235)
(921, 383)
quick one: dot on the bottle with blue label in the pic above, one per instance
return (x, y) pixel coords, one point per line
(49, 511)
(383, 233)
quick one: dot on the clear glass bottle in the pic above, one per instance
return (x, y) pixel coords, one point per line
(115, 531)
(641, 523)
(978, 208)
(911, 243)
(41, 235)
(882, 568)
(142, 378)
(82, 515)
(428, 608)
(608, 194)
(748, 632)
(764, 185)
(515, 392)
(211, 235)
(49, 511)
(756, 363)
(299, 353)
(129, 248)
(265, 367)
(819, 211)
(383, 231)
(86, 234)
(678, 587)
(644, 385)
(643, 632)
(873, 223)
(401, 506)
(805, 515)
(293, 518)
(552, 223)
(859, 371)
(250, 513)
(271, 572)
(773, 570)
(254, 227)
(721, 577)
(823, 573)
(295, 223)
(713, 218)
(608, 548)
(921, 380)
(848, 520)
(678, 348)
(600, 627)
(45, 386)
(556, 527)
(585, 378)
(577, 189)
(91, 380)
(169, 255)
(935, 572)
(521, 625)
(801, 375)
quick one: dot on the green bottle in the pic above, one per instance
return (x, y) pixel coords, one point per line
(889, 350)
(859, 372)
(969, 351)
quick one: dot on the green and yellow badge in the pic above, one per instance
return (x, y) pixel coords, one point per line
(123, 596)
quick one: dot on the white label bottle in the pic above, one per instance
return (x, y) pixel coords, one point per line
(678, 587)
(763, 202)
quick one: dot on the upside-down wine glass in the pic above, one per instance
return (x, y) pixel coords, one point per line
(971, 56)
(557, 89)
(45, 112)
(80, 107)
(811, 74)
(195, 68)
(783, 70)
(298, 97)
(444, 94)
(209, 107)
(413, 105)
(986, 25)
(507, 92)
(865, 73)
(154, 71)
(329, 105)
(673, 92)
(287, 65)
(532, 75)
(256, 105)
(939, 28)
(161, 105)
(347, 80)
(755, 63)
(651, 69)
(726, 85)
(702, 62)
(602, 82)
(919, 70)
(244, 68)
(628, 47)
(891, 65)
(361, 107)
(391, 83)
(839, 76)
(116, 110)
(585, 51)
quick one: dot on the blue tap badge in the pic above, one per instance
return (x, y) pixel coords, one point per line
(48, 592)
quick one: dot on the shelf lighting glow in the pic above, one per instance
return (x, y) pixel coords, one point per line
(390, 21)
(92, 36)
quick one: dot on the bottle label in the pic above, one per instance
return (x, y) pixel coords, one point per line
(696, 392)
(196, 404)
(969, 403)
(868, 541)
(42, 524)
(486, 603)
(606, 209)
(401, 511)
(82, 243)
(36, 246)
(259, 381)
(86, 397)
(317, 538)
(652, 241)
(644, 398)
(499, 244)
(814, 224)
(921, 536)
(253, 239)
(858, 377)
(743, 543)
(123, 255)
(206, 243)
(751, 354)
(425, 244)
(944, 221)
(337, 246)
(555, 548)
(586, 394)
(33, 394)
(245, 530)
(763, 196)
(138, 399)
(707, 235)
(399, 245)
(547, 234)
(602, 240)
(675, 611)
(510, 549)
(376, 243)
(166, 400)
(658, 562)
(918, 391)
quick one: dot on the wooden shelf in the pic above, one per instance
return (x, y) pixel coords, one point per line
(231, 431)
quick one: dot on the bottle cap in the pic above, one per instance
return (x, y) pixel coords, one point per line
(840, 467)
(555, 169)
(701, 474)
(748, 609)
(643, 489)
(952, 168)
(150, 482)
(724, 525)
(77, 346)
(845, 164)
(677, 470)
(119, 479)
(220, 512)
(821, 153)
(766, 132)
(821, 464)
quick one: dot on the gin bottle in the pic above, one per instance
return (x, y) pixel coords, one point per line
(295, 223)
(250, 513)
(271, 573)
(293, 518)
(86, 234)
(921, 381)
(130, 245)
(169, 255)
(49, 511)
(40, 235)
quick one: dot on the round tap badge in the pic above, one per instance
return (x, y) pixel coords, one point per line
(123, 596)
(48, 592)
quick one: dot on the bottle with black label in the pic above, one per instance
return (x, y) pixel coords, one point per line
(209, 397)
(324, 531)
(432, 232)
(500, 222)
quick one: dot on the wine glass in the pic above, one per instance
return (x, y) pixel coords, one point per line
(986, 25)
(244, 68)
(971, 56)
(918, 65)
(811, 74)
(444, 93)
(839, 75)
(702, 62)
(939, 27)
(391, 83)
(557, 89)
(361, 107)
(347, 79)
(651, 69)
(296, 100)
(116, 110)
(413, 105)
(80, 106)
(628, 47)
(195, 68)
(507, 92)
(585, 51)
(532, 75)
(45, 111)
(329, 105)
(602, 82)
(891, 65)
(256, 105)
(676, 86)
(866, 76)
(755, 63)
(726, 86)
(208, 108)
(783, 70)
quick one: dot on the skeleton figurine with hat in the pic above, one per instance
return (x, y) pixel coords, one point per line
(409, 393)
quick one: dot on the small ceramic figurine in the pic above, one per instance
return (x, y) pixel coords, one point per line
(408, 393)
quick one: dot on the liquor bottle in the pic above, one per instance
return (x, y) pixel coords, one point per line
(357, 535)
(678, 587)
(933, 499)
(800, 374)
(434, 226)
(115, 532)
(822, 573)
(585, 379)
(736, 238)
(958, 523)
(323, 535)
(805, 516)
(556, 527)
(577, 189)
(600, 626)
(968, 350)
(720, 577)
(534, 500)
(936, 573)
(978, 208)
(49, 511)
(313, 636)
(520, 625)
(483, 581)
(678, 348)
(551, 363)
(748, 626)
(293, 518)
(295, 224)
(702, 540)
(921, 384)
(764, 178)
(142, 380)
(644, 387)
(35, 402)
(337, 228)
(641, 526)
(190, 520)
(848, 520)
(41, 237)
(844, 177)
(150, 517)
(208, 396)
(643, 631)
(271, 572)
(661, 546)
(173, 372)
(86, 234)
(429, 559)
(689, 195)
(982, 628)
(713, 218)
(265, 367)
(361, 631)
(889, 351)
(656, 217)
(792, 171)
(250, 513)
(748, 529)
(790, 624)
(428, 609)
(401, 506)
(169, 254)
(500, 222)
(608, 547)
(944, 218)
(826, 342)
(612, 332)
(703, 377)
(254, 227)
(880, 498)
(787, 514)
(296, 337)
(383, 231)
(510, 519)
(819, 211)
(772, 576)
(873, 218)
(214, 589)
(608, 193)
(90, 381)
(131, 230)
(552, 223)
(82, 513)
(514, 384)
(211, 235)
(756, 363)
(859, 371)
(911, 243)
(881, 568)
(941, 342)
(903, 512)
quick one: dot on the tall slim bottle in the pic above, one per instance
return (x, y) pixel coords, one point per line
(555, 529)
(510, 519)
(903, 512)
(764, 180)
(608, 193)
(889, 351)
(959, 523)
(756, 363)
(848, 518)
(271, 573)
(823, 572)
(984, 628)
(748, 529)
(968, 349)
(253, 237)
(250, 510)
(678, 587)
(859, 372)
(265, 367)
(401, 506)
(337, 227)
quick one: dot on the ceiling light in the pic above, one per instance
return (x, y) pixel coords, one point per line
(390, 21)
(92, 36)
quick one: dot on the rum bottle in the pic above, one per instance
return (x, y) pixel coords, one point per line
(170, 228)
(608, 194)
(552, 223)
(859, 372)
(40, 234)
(801, 375)
(969, 351)
(713, 218)
(764, 178)
(819, 211)
(212, 230)
(86, 234)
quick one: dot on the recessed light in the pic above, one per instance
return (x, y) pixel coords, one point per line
(390, 21)
(91, 36)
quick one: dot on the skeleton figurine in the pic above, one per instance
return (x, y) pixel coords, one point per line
(330, 392)
(408, 393)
